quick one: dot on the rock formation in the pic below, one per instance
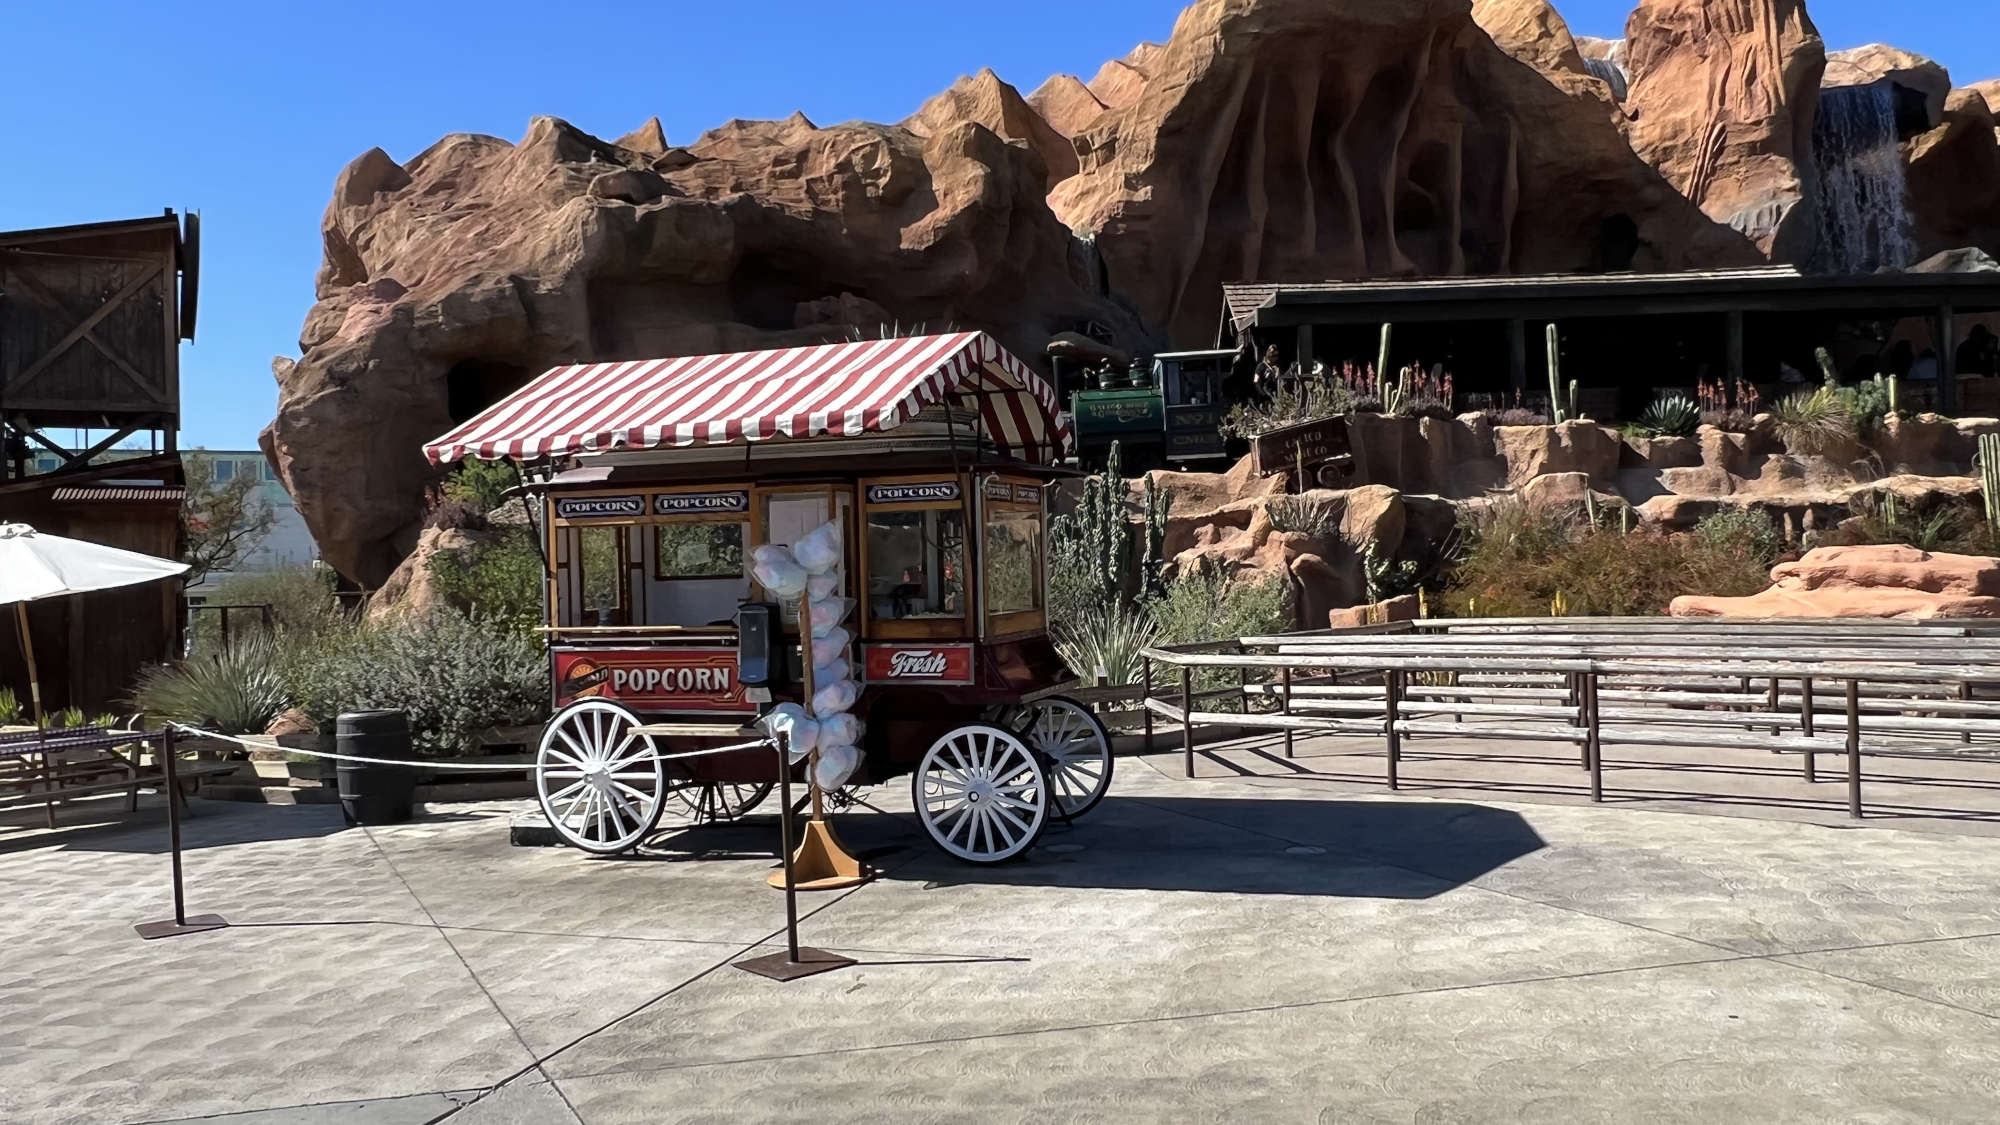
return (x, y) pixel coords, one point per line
(1280, 140)
(450, 280)
(1866, 582)
(1723, 96)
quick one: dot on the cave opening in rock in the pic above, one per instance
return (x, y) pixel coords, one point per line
(472, 385)
(765, 292)
(1617, 243)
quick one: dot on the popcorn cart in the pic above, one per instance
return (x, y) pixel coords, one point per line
(656, 481)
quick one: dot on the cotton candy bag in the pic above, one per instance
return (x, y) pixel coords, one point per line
(827, 615)
(801, 733)
(835, 765)
(819, 549)
(840, 730)
(832, 699)
(776, 570)
(819, 587)
(826, 649)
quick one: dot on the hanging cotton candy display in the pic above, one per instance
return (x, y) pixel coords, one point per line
(827, 615)
(819, 549)
(840, 730)
(822, 586)
(800, 732)
(827, 648)
(835, 669)
(834, 698)
(835, 765)
(776, 570)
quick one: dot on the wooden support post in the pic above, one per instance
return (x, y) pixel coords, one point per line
(1392, 692)
(1947, 359)
(1593, 745)
(1243, 686)
(1285, 704)
(1771, 706)
(1517, 356)
(1965, 693)
(1146, 696)
(1187, 717)
(1854, 749)
(1304, 349)
(1733, 348)
(1806, 724)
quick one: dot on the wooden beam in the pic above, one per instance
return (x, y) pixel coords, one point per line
(1517, 355)
(1733, 347)
(1947, 337)
(82, 330)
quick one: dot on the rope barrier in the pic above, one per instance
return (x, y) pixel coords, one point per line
(418, 764)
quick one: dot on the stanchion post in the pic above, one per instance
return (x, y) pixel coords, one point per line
(794, 962)
(1806, 725)
(1593, 738)
(181, 923)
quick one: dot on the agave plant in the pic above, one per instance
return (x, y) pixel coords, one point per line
(10, 706)
(234, 692)
(1813, 422)
(1107, 639)
(1672, 416)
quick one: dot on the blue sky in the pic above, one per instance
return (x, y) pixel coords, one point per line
(246, 112)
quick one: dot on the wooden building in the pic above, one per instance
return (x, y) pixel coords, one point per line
(91, 320)
(1624, 335)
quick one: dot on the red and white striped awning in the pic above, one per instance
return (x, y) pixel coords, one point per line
(829, 389)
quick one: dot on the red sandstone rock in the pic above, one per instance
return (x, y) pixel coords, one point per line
(1067, 105)
(1866, 582)
(1723, 98)
(1403, 607)
(985, 100)
(1532, 31)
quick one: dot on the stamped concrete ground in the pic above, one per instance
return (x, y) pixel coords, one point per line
(1272, 941)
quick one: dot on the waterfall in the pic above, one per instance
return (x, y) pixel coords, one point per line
(1613, 74)
(1864, 209)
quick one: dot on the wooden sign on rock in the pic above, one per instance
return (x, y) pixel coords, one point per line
(1300, 451)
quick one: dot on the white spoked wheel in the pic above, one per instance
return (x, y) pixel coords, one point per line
(600, 785)
(1076, 750)
(981, 795)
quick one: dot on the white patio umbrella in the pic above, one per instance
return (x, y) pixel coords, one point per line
(34, 566)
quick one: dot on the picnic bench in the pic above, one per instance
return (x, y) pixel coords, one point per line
(49, 768)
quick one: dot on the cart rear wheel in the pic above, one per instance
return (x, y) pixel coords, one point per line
(600, 785)
(1076, 751)
(716, 802)
(981, 794)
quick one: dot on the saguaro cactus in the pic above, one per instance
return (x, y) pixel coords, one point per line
(1989, 481)
(1556, 413)
(1382, 354)
(1155, 563)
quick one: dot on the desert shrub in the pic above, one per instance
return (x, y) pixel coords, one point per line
(501, 581)
(1812, 422)
(1519, 562)
(1745, 531)
(10, 707)
(1299, 400)
(1880, 518)
(1313, 517)
(1387, 577)
(1867, 404)
(1108, 636)
(454, 673)
(457, 515)
(301, 599)
(481, 484)
(235, 692)
(69, 718)
(1206, 606)
(1671, 416)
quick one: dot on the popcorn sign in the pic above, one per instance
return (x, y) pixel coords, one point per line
(918, 664)
(657, 679)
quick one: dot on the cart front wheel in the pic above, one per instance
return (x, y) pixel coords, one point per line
(1075, 749)
(981, 794)
(600, 785)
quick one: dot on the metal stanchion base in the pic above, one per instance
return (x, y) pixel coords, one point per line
(171, 928)
(780, 966)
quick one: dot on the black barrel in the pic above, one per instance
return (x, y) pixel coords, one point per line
(369, 793)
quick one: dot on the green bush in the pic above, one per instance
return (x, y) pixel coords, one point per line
(480, 483)
(1205, 606)
(1748, 532)
(1296, 401)
(500, 581)
(301, 599)
(454, 673)
(234, 692)
(1517, 561)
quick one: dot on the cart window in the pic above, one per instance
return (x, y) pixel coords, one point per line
(1013, 561)
(698, 550)
(602, 553)
(916, 564)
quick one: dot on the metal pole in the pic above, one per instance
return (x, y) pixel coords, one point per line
(1854, 749)
(1187, 717)
(1965, 692)
(174, 818)
(1392, 688)
(1285, 703)
(1593, 744)
(785, 842)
